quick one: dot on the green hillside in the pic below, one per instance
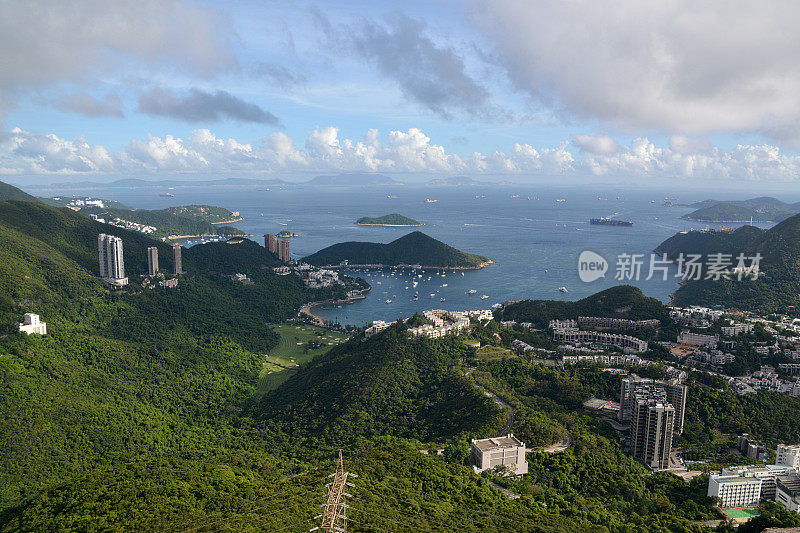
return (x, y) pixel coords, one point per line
(394, 219)
(164, 220)
(416, 248)
(777, 290)
(139, 411)
(623, 301)
(207, 213)
(9, 192)
(391, 386)
(760, 209)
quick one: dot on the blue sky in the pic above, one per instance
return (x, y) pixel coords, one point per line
(491, 88)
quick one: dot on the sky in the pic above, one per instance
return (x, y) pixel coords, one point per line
(675, 91)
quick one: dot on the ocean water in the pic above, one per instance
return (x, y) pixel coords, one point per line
(533, 240)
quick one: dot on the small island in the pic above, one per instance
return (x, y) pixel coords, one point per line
(286, 234)
(414, 249)
(395, 220)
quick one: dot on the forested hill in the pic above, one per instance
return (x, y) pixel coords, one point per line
(388, 385)
(703, 242)
(395, 219)
(623, 301)
(9, 192)
(764, 208)
(416, 248)
(777, 290)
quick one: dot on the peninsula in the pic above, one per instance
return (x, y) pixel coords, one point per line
(762, 209)
(395, 220)
(416, 248)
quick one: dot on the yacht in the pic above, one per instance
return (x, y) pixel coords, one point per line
(472, 291)
(563, 289)
(388, 301)
(485, 297)
(441, 299)
(444, 284)
(429, 201)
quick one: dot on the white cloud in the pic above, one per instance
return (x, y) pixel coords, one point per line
(411, 151)
(596, 144)
(677, 66)
(45, 42)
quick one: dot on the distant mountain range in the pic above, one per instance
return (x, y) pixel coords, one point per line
(335, 180)
(762, 209)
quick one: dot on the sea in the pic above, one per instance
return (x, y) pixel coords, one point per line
(534, 235)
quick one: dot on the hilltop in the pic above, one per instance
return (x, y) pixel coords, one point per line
(762, 209)
(777, 288)
(416, 248)
(622, 301)
(394, 219)
(9, 192)
(392, 386)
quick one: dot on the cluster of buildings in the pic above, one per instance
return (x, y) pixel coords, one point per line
(617, 323)
(444, 323)
(32, 324)
(112, 262)
(320, 279)
(746, 486)
(655, 410)
(79, 203)
(279, 247)
(125, 224)
(575, 336)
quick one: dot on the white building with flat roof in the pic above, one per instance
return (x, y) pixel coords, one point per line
(735, 490)
(112, 264)
(787, 492)
(32, 324)
(508, 451)
(789, 455)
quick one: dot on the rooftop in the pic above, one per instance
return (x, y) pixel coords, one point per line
(509, 441)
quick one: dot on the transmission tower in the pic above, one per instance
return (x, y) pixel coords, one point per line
(334, 516)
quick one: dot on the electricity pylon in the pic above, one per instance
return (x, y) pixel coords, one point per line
(334, 517)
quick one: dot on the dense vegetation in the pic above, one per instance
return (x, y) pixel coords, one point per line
(777, 290)
(9, 192)
(758, 209)
(165, 222)
(416, 248)
(208, 213)
(394, 219)
(139, 409)
(623, 301)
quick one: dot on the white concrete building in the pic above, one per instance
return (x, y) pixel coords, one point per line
(112, 264)
(376, 327)
(32, 324)
(735, 490)
(697, 339)
(508, 451)
(788, 455)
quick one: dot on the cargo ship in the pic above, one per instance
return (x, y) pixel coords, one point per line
(605, 221)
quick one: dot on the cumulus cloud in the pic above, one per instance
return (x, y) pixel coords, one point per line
(90, 106)
(44, 42)
(429, 73)
(200, 106)
(679, 66)
(410, 151)
(596, 144)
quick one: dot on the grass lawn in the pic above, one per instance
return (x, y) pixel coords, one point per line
(494, 352)
(292, 351)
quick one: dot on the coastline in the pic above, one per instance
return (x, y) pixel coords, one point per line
(231, 221)
(391, 225)
(728, 221)
(178, 237)
(403, 265)
(308, 308)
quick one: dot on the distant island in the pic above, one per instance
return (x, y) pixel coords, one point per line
(209, 213)
(394, 219)
(762, 209)
(416, 248)
(286, 234)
